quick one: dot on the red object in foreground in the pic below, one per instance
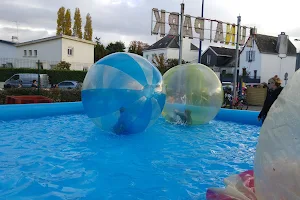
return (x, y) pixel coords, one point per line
(242, 183)
(27, 99)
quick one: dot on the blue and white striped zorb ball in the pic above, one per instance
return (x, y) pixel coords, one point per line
(122, 93)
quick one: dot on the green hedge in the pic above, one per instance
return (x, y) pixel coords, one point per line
(56, 76)
(57, 95)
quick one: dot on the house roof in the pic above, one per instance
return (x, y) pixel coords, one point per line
(55, 38)
(267, 44)
(194, 47)
(222, 51)
(7, 42)
(169, 41)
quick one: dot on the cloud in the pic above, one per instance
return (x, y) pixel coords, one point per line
(128, 20)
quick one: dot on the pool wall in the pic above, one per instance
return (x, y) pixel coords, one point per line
(26, 111)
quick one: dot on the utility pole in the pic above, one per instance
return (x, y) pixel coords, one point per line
(237, 54)
(200, 45)
(181, 34)
(39, 78)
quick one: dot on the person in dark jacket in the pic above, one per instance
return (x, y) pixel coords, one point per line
(274, 89)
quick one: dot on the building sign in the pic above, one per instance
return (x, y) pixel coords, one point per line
(201, 28)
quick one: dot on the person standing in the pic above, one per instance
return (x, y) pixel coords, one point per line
(274, 89)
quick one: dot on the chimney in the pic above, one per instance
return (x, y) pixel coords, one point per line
(282, 44)
(14, 39)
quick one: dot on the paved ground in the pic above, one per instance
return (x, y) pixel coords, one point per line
(255, 108)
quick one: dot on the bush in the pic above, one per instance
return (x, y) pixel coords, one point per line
(56, 76)
(57, 95)
(63, 65)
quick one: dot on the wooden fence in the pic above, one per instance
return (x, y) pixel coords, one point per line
(256, 96)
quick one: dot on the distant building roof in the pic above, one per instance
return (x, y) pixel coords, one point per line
(194, 47)
(222, 51)
(54, 38)
(169, 41)
(7, 42)
(267, 44)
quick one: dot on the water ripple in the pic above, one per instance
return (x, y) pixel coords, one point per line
(67, 157)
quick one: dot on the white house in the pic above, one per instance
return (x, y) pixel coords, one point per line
(7, 50)
(262, 59)
(52, 50)
(169, 47)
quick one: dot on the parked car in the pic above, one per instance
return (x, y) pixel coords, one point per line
(69, 85)
(26, 80)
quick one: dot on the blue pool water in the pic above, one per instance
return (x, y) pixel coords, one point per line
(67, 157)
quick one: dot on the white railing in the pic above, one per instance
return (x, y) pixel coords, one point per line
(33, 63)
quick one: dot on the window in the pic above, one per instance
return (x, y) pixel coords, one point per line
(30, 52)
(25, 53)
(35, 52)
(255, 73)
(250, 56)
(70, 51)
(66, 84)
(208, 59)
(15, 77)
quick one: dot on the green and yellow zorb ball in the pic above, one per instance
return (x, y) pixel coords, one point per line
(194, 94)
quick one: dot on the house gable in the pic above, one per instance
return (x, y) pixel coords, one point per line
(212, 61)
(219, 56)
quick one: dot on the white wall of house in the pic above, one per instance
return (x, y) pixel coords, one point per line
(187, 53)
(250, 66)
(79, 54)
(7, 50)
(173, 53)
(48, 52)
(272, 65)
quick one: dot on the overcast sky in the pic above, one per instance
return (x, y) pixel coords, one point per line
(129, 20)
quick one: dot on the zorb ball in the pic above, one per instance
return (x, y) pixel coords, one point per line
(194, 94)
(276, 163)
(122, 93)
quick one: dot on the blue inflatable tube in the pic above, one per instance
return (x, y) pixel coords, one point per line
(239, 116)
(27, 111)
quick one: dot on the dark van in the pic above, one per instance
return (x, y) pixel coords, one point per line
(26, 80)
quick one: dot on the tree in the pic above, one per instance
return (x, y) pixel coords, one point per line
(62, 65)
(99, 50)
(137, 47)
(68, 23)
(160, 62)
(77, 24)
(173, 62)
(60, 28)
(115, 47)
(88, 30)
